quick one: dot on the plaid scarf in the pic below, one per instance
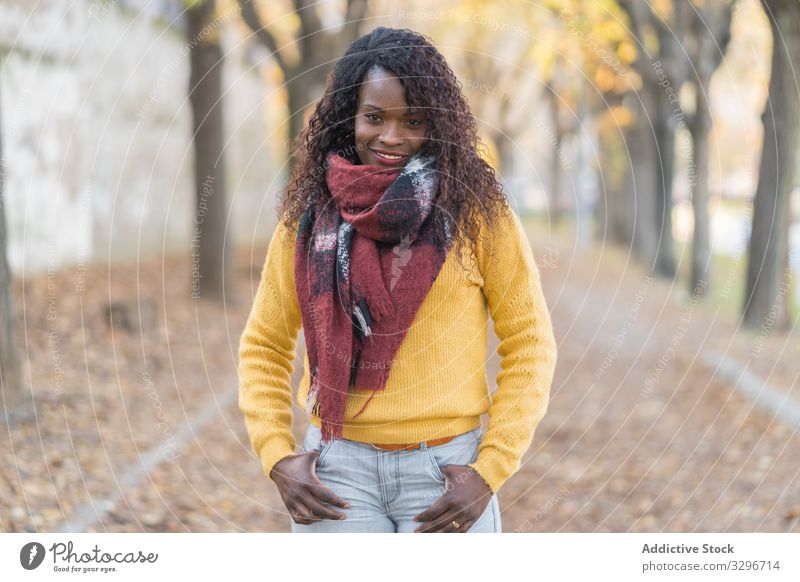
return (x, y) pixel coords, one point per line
(363, 265)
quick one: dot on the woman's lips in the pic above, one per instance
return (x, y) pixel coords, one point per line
(389, 161)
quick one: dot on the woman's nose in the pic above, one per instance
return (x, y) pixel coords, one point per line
(392, 135)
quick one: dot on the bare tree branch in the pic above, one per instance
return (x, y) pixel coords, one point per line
(641, 18)
(356, 11)
(310, 40)
(628, 8)
(253, 20)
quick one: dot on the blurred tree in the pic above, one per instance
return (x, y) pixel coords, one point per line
(588, 39)
(615, 211)
(768, 269)
(562, 123)
(500, 66)
(660, 29)
(510, 69)
(10, 377)
(706, 41)
(317, 47)
(209, 243)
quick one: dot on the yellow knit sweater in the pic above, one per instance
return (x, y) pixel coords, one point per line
(438, 385)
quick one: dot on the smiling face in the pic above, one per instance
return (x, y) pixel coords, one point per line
(387, 132)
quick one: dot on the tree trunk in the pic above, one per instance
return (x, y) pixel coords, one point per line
(644, 179)
(305, 81)
(209, 242)
(614, 207)
(700, 280)
(302, 92)
(709, 36)
(665, 134)
(662, 73)
(505, 155)
(298, 101)
(768, 250)
(556, 173)
(10, 376)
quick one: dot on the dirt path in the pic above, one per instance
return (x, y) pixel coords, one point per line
(640, 435)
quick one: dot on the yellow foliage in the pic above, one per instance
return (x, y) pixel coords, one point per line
(605, 79)
(626, 52)
(614, 118)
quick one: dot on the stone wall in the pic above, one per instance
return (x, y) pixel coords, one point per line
(96, 128)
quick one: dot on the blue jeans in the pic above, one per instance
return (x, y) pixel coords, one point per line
(386, 489)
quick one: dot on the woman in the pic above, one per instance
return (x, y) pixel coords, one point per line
(394, 238)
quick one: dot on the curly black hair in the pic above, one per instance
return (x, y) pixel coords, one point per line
(469, 191)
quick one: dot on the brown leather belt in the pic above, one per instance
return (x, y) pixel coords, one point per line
(413, 446)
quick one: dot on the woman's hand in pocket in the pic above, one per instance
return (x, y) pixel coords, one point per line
(466, 496)
(304, 495)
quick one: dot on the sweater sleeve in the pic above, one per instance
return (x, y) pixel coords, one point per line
(266, 355)
(527, 348)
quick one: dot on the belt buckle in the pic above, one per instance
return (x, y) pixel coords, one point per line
(405, 447)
